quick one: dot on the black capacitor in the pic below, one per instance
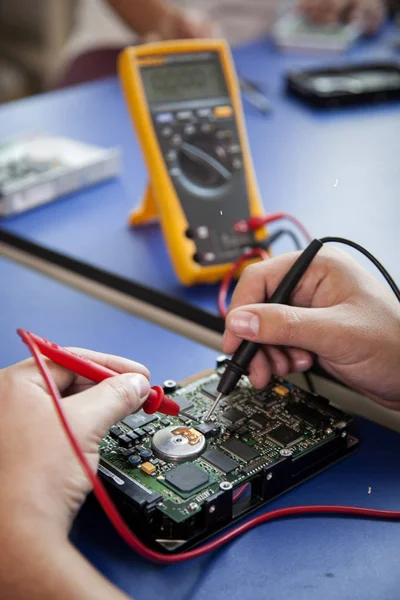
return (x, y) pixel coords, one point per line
(134, 459)
(146, 453)
(125, 441)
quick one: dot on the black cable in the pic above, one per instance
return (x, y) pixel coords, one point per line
(309, 382)
(370, 256)
(271, 239)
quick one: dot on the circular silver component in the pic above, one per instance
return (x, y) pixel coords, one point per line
(192, 506)
(212, 508)
(286, 452)
(269, 476)
(225, 485)
(344, 434)
(178, 443)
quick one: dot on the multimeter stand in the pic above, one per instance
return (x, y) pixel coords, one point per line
(146, 212)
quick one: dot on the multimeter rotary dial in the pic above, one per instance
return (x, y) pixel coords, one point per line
(205, 161)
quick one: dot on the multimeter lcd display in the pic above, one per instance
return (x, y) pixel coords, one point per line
(177, 82)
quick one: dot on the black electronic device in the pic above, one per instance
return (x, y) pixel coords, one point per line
(346, 85)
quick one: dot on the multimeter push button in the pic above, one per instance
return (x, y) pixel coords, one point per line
(233, 148)
(206, 127)
(166, 117)
(171, 155)
(184, 115)
(223, 112)
(176, 139)
(189, 129)
(223, 134)
(203, 112)
(166, 132)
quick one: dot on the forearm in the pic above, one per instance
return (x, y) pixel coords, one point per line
(142, 16)
(38, 565)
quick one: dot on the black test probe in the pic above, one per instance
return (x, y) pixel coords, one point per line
(239, 363)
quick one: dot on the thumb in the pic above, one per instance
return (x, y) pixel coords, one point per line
(96, 409)
(280, 325)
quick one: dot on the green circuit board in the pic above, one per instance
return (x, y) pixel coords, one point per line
(251, 430)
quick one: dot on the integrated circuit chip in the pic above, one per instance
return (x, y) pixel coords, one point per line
(211, 389)
(284, 435)
(184, 402)
(264, 399)
(139, 419)
(260, 420)
(309, 415)
(234, 415)
(208, 429)
(240, 449)
(220, 461)
(186, 478)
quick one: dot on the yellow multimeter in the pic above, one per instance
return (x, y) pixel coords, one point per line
(185, 102)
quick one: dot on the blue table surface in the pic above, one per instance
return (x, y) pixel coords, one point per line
(300, 558)
(338, 171)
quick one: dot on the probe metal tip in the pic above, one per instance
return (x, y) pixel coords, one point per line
(213, 407)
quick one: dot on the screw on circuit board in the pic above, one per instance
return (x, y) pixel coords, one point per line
(286, 452)
(192, 506)
(225, 485)
(212, 508)
(269, 476)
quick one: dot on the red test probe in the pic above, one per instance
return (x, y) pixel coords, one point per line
(156, 400)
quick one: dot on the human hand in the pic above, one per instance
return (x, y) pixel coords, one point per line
(177, 24)
(369, 14)
(42, 480)
(340, 313)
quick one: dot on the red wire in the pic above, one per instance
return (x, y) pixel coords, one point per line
(257, 222)
(226, 282)
(134, 542)
(239, 492)
(251, 225)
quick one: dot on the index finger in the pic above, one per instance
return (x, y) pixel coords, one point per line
(260, 280)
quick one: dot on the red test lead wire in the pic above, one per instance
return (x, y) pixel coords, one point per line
(134, 542)
(226, 282)
(252, 224)
(156, 400)
(255, 223)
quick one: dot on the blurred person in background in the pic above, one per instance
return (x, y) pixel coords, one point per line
(103, 27)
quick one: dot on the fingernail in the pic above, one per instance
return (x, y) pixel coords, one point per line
(244, 323)
(141, 385)
(302, 364)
